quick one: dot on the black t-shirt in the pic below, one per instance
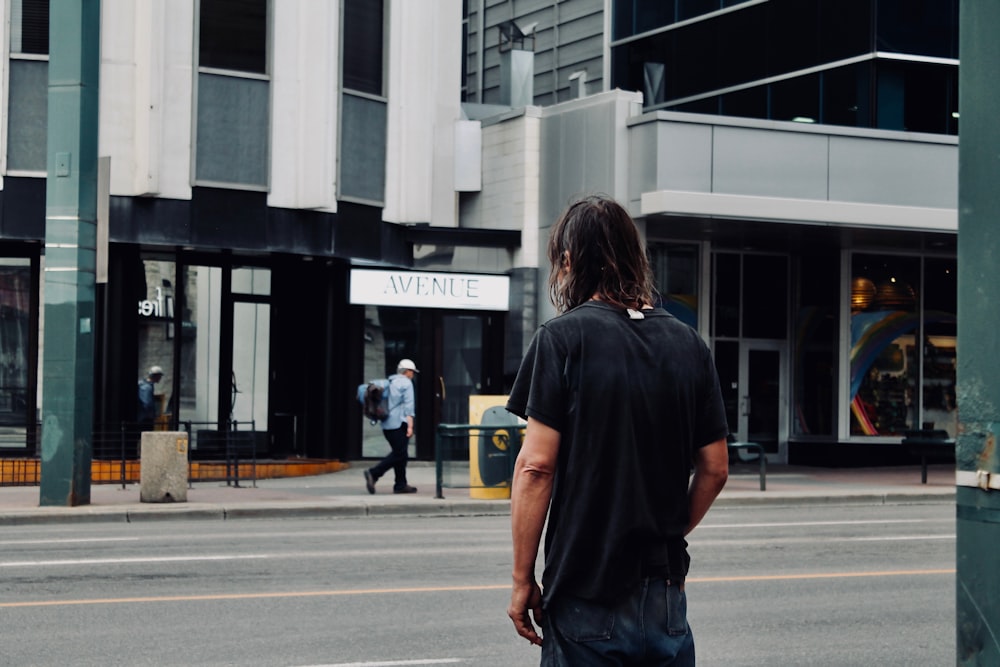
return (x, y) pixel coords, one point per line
(632, 400)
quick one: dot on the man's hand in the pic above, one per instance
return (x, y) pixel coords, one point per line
(525, 598)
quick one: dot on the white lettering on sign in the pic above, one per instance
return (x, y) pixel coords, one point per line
(429, 290)
(153, 308)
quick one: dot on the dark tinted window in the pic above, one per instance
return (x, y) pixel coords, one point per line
(749, 103)
(765, 296)
(920, 27)
(363, 43)
(233, 35)
(726, 304)
(917, 97)
(845, 28)
(34, 28)
(687, 9)
(632, 17)
(847, 96)
(796, 99)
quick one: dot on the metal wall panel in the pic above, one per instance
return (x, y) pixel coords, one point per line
(894, 172)
(772, 164)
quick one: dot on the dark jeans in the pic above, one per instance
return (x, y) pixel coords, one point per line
(396, 459)
(649, 627)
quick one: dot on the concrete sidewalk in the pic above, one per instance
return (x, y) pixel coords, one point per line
(343, 494)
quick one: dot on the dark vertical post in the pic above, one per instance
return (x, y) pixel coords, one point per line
(978, 464)
(70, 243)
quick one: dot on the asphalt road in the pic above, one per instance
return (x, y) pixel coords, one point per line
(813, 585)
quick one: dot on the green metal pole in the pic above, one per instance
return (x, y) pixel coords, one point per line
(70, 257)
(977, 461)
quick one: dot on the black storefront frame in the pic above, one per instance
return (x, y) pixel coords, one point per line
(308, 346)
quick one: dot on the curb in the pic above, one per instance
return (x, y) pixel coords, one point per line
(154, 512)
(203, 511)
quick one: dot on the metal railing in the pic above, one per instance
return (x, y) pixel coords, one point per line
(115, 454)
(475, 456)
(206, 442)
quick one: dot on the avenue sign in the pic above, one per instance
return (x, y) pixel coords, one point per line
(421, 289)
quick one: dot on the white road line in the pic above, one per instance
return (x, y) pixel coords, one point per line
(297, 555)
(122, 561)
(70, 540)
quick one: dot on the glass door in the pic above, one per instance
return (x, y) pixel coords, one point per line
(461, 373)
(761, 395)
(251, 345)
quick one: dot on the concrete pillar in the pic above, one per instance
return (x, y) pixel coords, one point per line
(977, 458)
(70, 252)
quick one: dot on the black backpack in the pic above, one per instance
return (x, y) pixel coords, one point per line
(374, 398)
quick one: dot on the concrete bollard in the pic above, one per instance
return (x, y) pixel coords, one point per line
(163, 472)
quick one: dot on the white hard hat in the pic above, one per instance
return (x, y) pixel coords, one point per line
(155, 370)
(407, 365)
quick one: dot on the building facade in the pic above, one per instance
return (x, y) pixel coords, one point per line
(261, 154)
(794, 167)
(301, 193)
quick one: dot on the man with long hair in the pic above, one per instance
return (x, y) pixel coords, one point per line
(622, 402)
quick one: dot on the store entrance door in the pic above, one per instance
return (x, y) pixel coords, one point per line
(459, 354)
(762, 395)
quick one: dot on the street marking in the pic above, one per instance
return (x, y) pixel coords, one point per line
(452, 589)
(260, 596)
(298, 555)
(946, 536)
(122, 561)
(773, 541)
(799, 524)
(70, 540)
(818, 575)
(394, 663)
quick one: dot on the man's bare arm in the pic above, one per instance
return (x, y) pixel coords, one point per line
(531, 491)
(711, 470)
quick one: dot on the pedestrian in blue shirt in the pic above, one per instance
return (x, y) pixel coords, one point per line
(147, 402)
(397, 428)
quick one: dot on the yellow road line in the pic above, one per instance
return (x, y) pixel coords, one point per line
(449, 589)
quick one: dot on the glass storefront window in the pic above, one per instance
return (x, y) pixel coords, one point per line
(15, 318)
(390, 334)
(939, 410)
(675, 276)
(815, 345)
(156, 332)
(726, 295)
(885, 325)
(200, 325)
(251, 346)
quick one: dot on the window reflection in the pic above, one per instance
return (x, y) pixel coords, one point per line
(156, 333)
(15, 318)
(675, 275)
(390, 334)
(885, 330)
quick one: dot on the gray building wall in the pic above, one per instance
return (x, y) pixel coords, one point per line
(569, 37)
(711, 154)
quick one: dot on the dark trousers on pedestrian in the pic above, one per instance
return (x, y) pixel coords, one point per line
(396, 460)
(649, 628)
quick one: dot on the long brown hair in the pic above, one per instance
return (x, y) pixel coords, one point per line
(607, 258)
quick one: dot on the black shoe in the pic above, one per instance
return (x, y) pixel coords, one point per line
(406, 489)
(369, 481)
